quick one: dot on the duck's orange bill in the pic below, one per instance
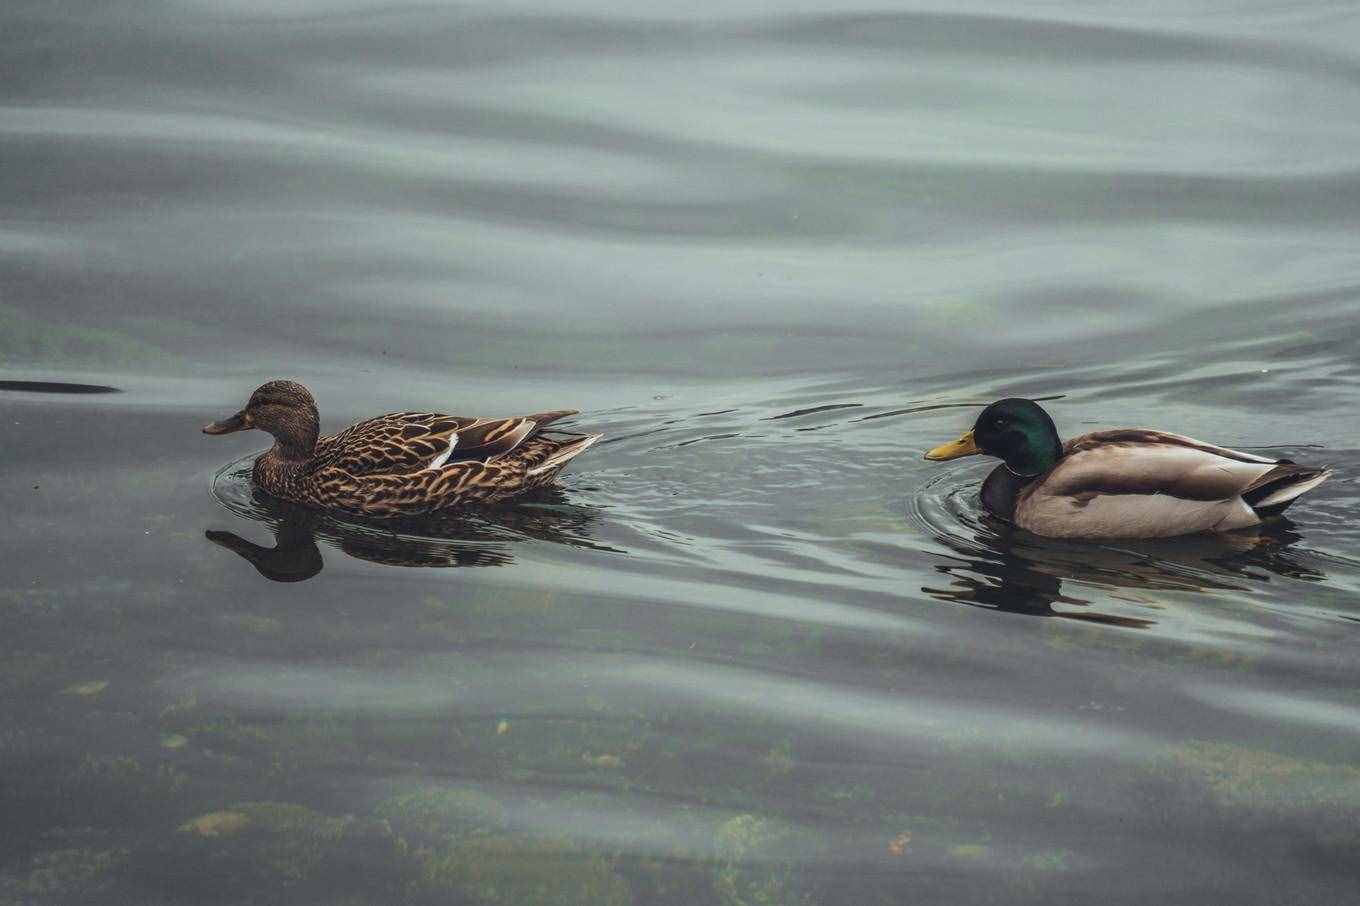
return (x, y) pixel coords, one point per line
(964, 446)
(238, 422)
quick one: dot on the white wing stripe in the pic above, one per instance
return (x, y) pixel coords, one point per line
(438, 461)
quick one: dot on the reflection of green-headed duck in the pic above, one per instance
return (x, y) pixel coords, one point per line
(406, 463)
(1123, 483)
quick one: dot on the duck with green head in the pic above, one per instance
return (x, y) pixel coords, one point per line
(1121, 483)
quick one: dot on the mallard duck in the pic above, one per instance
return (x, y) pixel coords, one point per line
(405, 463)
(1123, 483)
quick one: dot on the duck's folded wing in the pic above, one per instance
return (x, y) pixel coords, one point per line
(1155, 463)
(491, 439)
(413, 441)
(392, 444)
(1149, 436)
(1142, 461)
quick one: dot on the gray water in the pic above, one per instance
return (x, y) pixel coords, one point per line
(752, 650)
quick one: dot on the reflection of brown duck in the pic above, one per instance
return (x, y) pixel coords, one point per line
(293, 558)
(480, 537)
(1003, 569)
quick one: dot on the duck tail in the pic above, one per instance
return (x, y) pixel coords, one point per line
(558, 459)
(1274, 491)
(545, 418)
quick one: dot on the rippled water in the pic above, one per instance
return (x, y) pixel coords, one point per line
(752, 650)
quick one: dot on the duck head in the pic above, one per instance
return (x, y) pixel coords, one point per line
(1016, 431)
(284, 409)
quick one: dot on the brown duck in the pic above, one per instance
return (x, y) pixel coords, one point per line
(405, 463)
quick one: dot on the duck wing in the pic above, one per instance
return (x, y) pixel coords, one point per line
(394, 443)
(1137, 436)
(488, 440)
(404, 442)
(1144, 461)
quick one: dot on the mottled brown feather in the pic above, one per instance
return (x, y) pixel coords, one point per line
(396, 464)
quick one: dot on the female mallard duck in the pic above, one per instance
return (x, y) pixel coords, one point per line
(406, 463)
(1124, 483)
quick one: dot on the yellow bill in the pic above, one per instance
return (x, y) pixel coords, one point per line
(964, 446)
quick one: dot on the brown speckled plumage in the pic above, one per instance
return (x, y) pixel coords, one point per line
(405, 463)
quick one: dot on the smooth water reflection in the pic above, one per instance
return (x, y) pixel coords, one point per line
(1001, 567)
(480, 536)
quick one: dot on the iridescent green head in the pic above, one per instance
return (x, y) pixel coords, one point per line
(1017, 431)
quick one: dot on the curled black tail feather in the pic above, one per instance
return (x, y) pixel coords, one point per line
(1271, 494)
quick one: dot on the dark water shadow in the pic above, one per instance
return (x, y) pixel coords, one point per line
(1000, 567)
(483, 536)
(55, 387)
(1011, 570)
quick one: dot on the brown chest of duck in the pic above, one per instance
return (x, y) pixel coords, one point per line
(402, 463)
(1121, 483)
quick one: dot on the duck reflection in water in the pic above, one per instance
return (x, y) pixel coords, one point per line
(1007, 569)
(482, 536)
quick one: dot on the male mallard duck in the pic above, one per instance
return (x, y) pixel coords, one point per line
(406, 463)
(1123, 483)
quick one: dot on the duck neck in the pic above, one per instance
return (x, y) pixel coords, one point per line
(280, 469)
(295, 433)
(295, 448)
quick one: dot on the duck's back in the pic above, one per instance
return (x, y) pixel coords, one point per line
(405, 442)
(1142, 483)
(408, 463)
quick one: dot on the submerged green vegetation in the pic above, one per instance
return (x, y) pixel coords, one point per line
(612, 804)
(1307, 804)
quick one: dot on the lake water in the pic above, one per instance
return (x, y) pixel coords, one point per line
(753, 650)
